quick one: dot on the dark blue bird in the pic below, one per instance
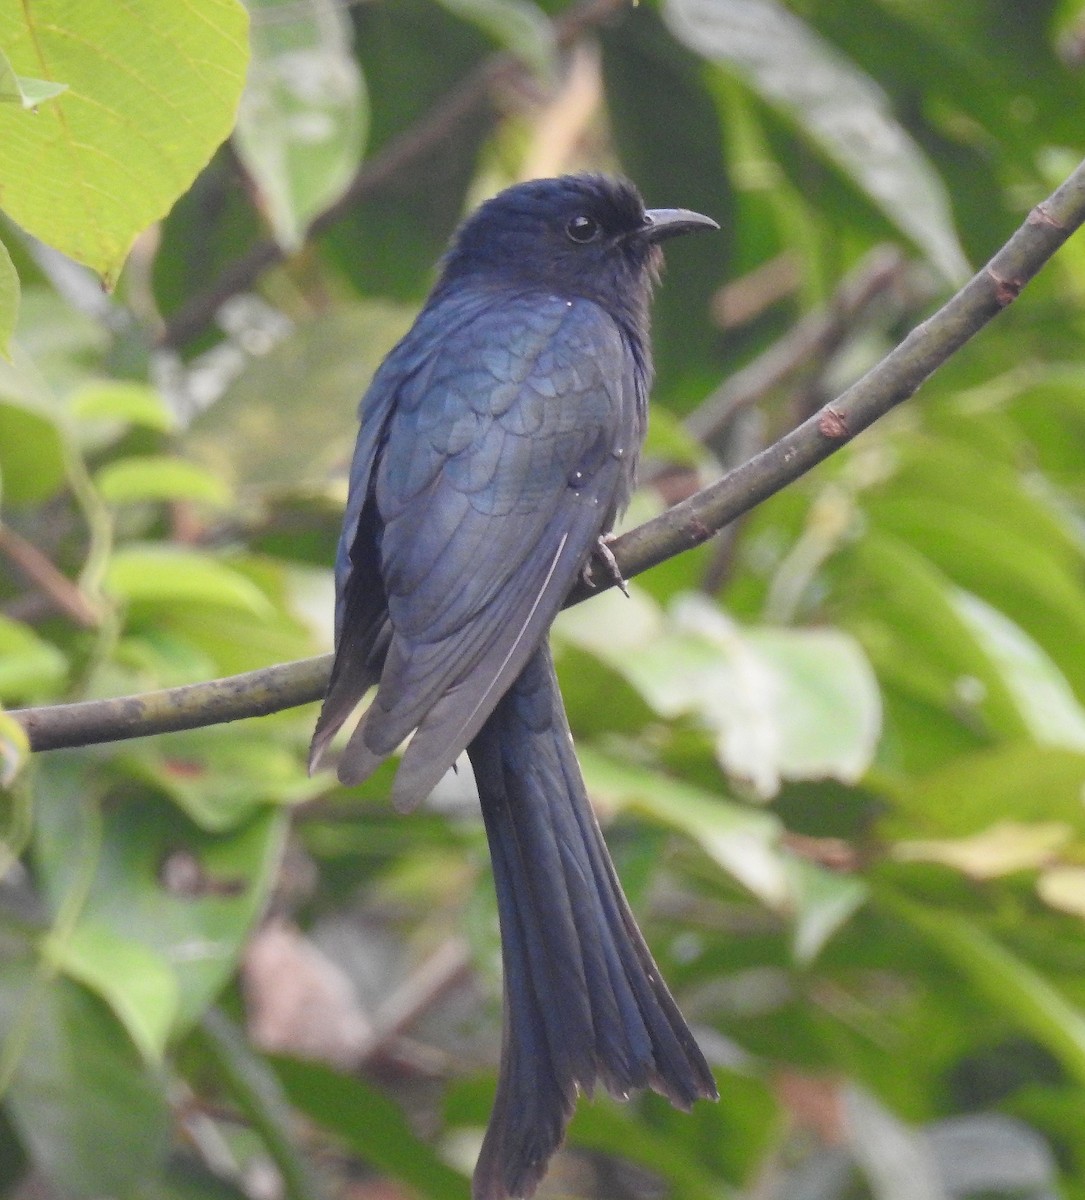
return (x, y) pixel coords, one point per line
(498, 443)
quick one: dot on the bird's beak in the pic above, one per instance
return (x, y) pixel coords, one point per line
(670, 222)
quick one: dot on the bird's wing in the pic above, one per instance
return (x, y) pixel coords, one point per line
(361, 607)
(503, 462)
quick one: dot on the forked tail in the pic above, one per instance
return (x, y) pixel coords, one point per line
(584, 1001)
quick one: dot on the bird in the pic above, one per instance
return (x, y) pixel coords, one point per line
(498, 444)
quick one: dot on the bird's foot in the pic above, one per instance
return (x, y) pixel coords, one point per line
(605, 555)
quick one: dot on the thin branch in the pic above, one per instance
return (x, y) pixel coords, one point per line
(406, 148)
(688, 524)
(63, 594)
(816, 336)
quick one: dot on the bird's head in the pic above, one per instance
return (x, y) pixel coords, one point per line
(579, 235)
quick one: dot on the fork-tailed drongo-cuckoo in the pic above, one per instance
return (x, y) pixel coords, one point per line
(498, 443)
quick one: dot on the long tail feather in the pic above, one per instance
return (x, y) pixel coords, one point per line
(584, 1001)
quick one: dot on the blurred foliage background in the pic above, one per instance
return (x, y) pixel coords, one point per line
(839, 750)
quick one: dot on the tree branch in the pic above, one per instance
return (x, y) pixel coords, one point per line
(688, 524)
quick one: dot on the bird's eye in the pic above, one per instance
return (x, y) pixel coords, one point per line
(583, 229)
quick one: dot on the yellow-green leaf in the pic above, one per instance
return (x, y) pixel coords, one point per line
(172, 577)
(136, 982)
(159, 477)
(1063, 888)
(29, 665)
(1001, 849)
(121, 400)
(9, 299)
(153, 88)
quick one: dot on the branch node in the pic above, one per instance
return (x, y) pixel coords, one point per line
(1041, 215)
(833, 424)
(698, 531)
(1006, 290)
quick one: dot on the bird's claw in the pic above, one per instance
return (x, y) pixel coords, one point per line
(605, 555)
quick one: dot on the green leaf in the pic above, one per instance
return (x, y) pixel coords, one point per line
(120, 400)
(9, 300)
(32, 455)
(1019, 783)
(371, 1125)
(414, 53)
(1001, 849)
(822, 902)
(138, 984)
(902, 608)
(93, 1117)
(221, 777)
(1031, 581)
(1002, 979)
(30, 667)
(163, 576)
(162, 892)
(152, 90)
(27, 93)
(608, 1129)
(744, 841)
(304, 112)
(1044, 698)
(782, 703)
(840, 108)
(160, 477)
(518, 25)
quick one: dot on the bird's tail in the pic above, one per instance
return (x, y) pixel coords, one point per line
(584, 1001)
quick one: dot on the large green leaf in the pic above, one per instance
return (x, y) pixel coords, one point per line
(1016, 782)
(841, 109)
(152, 89)
(902, 609)
(138, 984)
(32, 455)
(371, 1125)
(304, 111)
(165, 907)
(29, 666)
(780, 703)
(253, 1086)
(94, 1118)
(163, 576)
(159, 477)
(1044, 698)
(1003, 979)
(744, 841)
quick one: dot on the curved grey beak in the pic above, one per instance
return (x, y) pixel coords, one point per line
(670, 222)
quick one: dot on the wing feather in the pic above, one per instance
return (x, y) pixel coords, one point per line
(488, 513)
